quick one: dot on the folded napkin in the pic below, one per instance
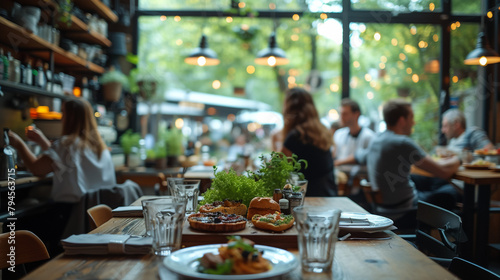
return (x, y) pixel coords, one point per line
(102, 244)
(351, 222)
(127, 211)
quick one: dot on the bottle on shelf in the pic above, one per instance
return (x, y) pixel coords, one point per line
(7, 64)
(49, 86)
(86, 93)
(2, 69)
(28, 73)
(94, 87)
(40, 80)
(57, 83)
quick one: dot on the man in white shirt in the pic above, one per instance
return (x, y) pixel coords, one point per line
(351, 137)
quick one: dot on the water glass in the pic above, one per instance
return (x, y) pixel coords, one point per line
(188, 189)
(171, 182)
(150, 207)
(318, 229)
(165, 217)
(167, 229)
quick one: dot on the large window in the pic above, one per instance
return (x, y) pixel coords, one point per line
(391, 58)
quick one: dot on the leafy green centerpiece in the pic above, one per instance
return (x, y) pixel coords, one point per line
(273, 174)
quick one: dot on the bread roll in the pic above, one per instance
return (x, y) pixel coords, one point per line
(262, 206)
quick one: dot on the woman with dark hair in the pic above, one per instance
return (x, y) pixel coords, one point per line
(310, 140)
(80, 160)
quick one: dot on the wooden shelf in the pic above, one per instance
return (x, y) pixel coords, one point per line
(19, 38)
(79, 31)
(98, 7)
(23, 89)
(39, 3)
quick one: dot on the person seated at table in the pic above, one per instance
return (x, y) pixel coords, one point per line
(79, 160)
(459, 136)
(310, 140)
(351, 137)
(390, 156)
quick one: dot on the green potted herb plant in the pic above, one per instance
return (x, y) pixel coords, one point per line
(113, 82)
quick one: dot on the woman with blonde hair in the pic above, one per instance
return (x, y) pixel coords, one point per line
(80, 160)
(310, 140)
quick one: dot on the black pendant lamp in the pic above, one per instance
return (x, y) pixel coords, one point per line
(202, 56)
(483, 54)
(272, 55)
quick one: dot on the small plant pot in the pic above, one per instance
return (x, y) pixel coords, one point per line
(161, 163)
(112, 91)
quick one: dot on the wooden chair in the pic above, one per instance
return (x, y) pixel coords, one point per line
(439, 233)
(466, 270)
(28, 248)
(98, 215)
(404, 219)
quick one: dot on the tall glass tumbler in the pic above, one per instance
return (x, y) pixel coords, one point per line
(189, 189)
(171, 182)
(155, 206)
(167, 229)
(318, 229)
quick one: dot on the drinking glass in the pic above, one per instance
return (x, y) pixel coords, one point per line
(171, 181)
(188, 189)
(318, 229)
(167, 228)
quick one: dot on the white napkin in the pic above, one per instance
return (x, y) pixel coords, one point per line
(346, 222)
(127, 211)
(102, 244)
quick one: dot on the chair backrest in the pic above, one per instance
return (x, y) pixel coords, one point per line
(466, 270)
(439, 231)
(29, 248)
(98, 215)
(373, 197)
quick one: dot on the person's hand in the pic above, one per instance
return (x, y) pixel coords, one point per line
(15, 140)
(36, 135)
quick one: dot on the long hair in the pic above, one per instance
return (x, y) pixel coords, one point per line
(79, 122)
(300, 113)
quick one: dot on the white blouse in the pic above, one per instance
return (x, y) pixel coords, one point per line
(77, 171)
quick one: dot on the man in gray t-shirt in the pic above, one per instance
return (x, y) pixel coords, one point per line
(390, 156)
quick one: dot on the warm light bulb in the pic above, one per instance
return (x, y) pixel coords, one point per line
(179, 123)
(271, 61)
(483, 60)
(202, 61)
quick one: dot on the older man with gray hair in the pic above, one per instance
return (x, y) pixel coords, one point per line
(459, 136)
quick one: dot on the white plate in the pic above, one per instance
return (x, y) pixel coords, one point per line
(185, 262)
(363, 222)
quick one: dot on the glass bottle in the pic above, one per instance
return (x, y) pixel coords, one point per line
(28, 73)
(284, 206)
(287, 191)
(277, 195)
(295, 200)
(85, 89)
(49, 78)
(2, 64)
(7, 64)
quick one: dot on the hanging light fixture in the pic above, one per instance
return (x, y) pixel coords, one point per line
(483, 54)
(202, 56)
(272, 55)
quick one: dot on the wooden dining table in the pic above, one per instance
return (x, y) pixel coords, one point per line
(476, 211)
(388, 258)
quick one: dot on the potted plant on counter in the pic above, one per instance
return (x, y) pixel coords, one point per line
(130, 143)
(113, 82)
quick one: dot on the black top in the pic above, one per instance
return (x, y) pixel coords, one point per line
(319, 173)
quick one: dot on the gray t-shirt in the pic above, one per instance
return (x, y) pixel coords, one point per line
(389, 158)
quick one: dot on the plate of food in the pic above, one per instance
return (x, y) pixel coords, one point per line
(495, 168)
(479, 164)
(238, 259)
(353, 222)
(487, 152)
